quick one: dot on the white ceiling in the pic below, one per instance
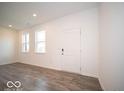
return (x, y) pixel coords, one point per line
(20, 14)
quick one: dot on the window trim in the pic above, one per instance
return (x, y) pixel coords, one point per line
(35, 41)
(25, 42)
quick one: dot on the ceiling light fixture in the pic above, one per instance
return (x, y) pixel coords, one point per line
(34, 15)
(10, 25)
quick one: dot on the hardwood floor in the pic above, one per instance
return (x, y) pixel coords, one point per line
(34, 78)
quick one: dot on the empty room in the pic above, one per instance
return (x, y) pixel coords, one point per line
(61, 46)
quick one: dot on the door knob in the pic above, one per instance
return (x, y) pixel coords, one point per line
(62, 50)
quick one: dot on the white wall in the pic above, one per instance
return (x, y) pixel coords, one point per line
(8, 46)
(111, 63)
(86, 20)
(112, 46)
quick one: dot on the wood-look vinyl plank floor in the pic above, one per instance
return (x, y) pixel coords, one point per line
(34, 78)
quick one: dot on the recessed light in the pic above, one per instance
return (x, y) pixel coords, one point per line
(10, 25)
(34, 15)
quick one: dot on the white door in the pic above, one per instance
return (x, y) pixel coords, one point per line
(70, 50)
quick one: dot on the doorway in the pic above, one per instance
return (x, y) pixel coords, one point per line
(70, 51)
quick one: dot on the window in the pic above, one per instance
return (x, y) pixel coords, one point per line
(40, 42)
(25, 42)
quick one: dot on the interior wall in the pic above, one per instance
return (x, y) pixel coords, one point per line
(111, 24)
(111, 65)
(87, 21)
(8, 46)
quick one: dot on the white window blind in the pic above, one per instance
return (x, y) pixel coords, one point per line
(25, 42)
(40, 42)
